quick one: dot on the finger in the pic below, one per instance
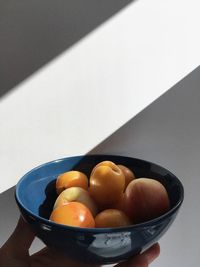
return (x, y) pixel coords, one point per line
(152, 253)
(21, 239)
(48, 257)
(144, 259)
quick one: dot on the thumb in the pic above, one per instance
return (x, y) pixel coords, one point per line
(21, 239)
(144, 259)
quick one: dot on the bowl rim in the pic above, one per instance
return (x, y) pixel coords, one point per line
(148, 223)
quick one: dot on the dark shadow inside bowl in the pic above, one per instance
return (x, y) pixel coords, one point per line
(46, 207)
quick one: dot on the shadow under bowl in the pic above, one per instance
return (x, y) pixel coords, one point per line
(35, 195)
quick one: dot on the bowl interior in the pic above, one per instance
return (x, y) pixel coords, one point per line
(36, 190)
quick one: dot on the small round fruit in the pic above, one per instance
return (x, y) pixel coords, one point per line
(76, 194)
(104, 163)
(111, 218)
(145, 199)
(119, 204)
(106, 184)
(129, 175)
(69, 179)
(73, 214)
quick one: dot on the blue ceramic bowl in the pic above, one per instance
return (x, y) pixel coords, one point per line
(35, 196)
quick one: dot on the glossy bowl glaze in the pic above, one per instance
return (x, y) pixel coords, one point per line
(35, 195)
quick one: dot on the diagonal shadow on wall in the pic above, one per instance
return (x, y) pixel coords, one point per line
(163, 129)
(32, 33)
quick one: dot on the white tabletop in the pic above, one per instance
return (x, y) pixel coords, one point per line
(97, 85)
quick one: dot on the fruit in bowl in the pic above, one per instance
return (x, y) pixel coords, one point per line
(107, 182)
(121, 198)
(73, 214)
(71, 178)
(76, 194)
(36, 195)
(145, 199)
(111, 218)
(128, 174)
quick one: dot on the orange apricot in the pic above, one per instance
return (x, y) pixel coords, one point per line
(106, 184)
(70, 179)
(129, 175)
(76, 194)
(104, 163)
(111, 218)
(73, 214)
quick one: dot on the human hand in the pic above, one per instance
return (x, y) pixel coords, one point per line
(15, 253)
